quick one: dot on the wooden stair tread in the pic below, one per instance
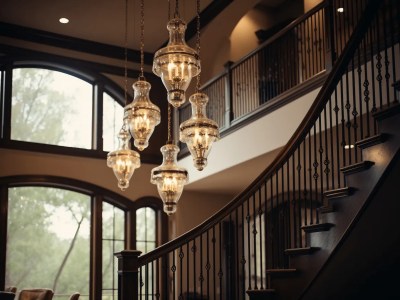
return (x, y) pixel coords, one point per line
(326, 209)
(301, 251)
(339, 192)
(357, 167)
(317, 227)
(281, 271)
(387, 112)
(372, 140)
(261, 294)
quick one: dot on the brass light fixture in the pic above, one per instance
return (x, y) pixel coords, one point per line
(199, 132)
(141, 115)
(124, 161)
(176, 63)
(169, 177)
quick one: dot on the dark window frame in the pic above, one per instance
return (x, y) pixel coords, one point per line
(98, 195)
(100, 84)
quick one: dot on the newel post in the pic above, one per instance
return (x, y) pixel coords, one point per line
(128, 270)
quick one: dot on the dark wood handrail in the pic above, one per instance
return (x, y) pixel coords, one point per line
(294, 142)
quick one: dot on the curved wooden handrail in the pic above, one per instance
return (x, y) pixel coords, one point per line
(294, 142)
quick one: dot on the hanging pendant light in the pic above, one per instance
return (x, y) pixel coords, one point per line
(199, 132)
(123, 161)
(142, 115)
(169, 178)
(176, 63)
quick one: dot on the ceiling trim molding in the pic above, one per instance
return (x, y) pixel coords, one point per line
(106, 50)
(13, 53)
(71, 43)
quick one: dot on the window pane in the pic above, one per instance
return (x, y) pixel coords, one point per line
(113, 220)
(113, 114)
(51, 107)
(48, 240)
(145, 229)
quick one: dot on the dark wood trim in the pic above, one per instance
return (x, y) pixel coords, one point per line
(3, 233)
(206, 16)
(69, 184)
(71, 43)
(15, 55)
(96, 246)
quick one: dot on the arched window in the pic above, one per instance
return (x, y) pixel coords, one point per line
(47, 106)
(62, 234)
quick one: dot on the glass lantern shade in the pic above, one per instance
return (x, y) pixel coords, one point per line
(123, 161)
(169, 178)
(176, 63)
(141, 115)
(199, 132)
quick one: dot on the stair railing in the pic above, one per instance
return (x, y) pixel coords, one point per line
(238, 248)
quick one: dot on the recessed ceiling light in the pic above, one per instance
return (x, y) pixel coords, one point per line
(63, 20)
(348, 146)
(340, 9)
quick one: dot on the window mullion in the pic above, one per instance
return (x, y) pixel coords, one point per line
(6, 95)
(96, 247)
(97, 118)
(3, 233)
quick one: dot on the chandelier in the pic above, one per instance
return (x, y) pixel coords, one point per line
(123, 161)
(169, 177)
(176, 63)
(141, 114)
(199, 132)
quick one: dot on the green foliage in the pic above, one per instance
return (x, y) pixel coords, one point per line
(37, 108)
(35, 250)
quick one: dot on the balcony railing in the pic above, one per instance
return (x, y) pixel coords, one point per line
(298, 54)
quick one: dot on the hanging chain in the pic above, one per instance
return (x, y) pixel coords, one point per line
(141, 77)
(126, 54)
(176, 15)
(169, 141)
(198, 44)
(169, 10)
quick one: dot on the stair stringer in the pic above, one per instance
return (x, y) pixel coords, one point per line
(347, 211)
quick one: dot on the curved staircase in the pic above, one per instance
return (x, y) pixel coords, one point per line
(320, 219)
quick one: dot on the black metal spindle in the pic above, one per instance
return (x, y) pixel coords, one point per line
(371, 44)
(310, 177)
(354, 111)
(214, 240)
(243, 260)
(194, 250)
(315, 176)
(393, 11)
(255, 241)
(201, 277)
(181, 256)
(220, 273)
(248, 218)
(187, 268)
(173, 269)
(237, 254)
(297, 223)
(208, 264)
(260, 215)
(387, 62)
